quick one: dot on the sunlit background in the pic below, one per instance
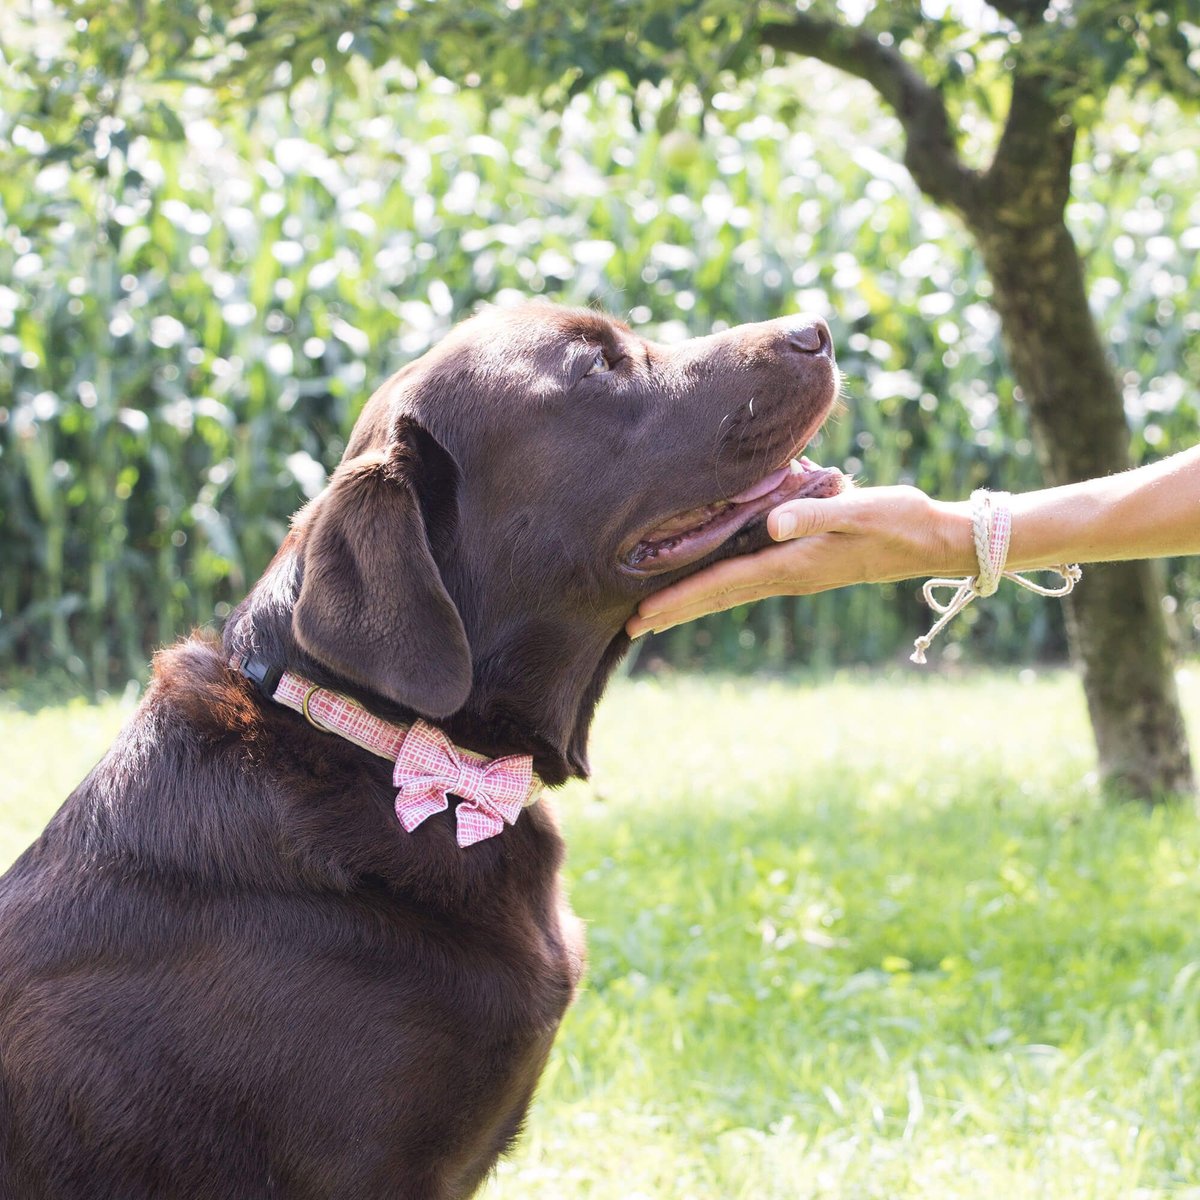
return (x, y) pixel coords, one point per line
(187, 334)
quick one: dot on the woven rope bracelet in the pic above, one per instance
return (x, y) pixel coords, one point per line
(991, 528)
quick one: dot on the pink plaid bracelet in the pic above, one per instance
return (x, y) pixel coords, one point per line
(991, 527)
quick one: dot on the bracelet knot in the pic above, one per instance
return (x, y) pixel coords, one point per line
(991, 528)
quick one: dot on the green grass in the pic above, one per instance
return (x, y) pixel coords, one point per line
(872, 938)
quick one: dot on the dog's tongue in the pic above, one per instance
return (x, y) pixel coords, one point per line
(801, 466)
(763, 486)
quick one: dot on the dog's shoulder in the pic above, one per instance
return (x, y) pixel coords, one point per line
(176, 784)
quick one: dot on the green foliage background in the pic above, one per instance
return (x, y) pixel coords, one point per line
(190, 319)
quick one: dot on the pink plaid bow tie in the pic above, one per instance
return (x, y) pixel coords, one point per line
(430, 767)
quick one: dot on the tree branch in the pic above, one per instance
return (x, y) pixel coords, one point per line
(1020, 12)
(1029, 180)
(930, 154)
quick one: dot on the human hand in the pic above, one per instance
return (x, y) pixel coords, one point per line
(863, 535)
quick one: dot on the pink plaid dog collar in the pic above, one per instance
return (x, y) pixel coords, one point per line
(429, 768)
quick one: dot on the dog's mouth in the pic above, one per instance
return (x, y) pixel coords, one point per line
(690, 536)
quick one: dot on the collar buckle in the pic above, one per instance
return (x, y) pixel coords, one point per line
(264, 675)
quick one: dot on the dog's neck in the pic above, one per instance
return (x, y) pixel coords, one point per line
(536, 680)
(541, 683)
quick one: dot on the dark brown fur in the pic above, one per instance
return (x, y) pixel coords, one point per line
(226, 972)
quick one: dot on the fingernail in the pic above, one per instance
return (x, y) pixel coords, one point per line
(640, 633)
(785, 526)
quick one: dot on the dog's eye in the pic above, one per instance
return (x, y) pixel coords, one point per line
(599, 365)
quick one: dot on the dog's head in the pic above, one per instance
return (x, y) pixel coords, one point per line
(506, 500)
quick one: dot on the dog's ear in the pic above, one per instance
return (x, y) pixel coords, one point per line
(372, 605)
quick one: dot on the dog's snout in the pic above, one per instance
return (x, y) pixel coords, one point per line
(812, 337)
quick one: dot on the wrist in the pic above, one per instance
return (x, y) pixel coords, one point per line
(953, 538)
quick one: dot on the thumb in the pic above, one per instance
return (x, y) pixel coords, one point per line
(803, 518)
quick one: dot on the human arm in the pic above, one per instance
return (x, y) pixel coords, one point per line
(884, 534)
(1150, 512)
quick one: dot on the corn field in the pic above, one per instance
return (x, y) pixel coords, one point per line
(187, 335)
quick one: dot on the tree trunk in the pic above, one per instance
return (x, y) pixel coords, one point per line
(1015, 210)
(1115, 620)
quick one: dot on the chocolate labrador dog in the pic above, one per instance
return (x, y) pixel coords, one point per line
(238, 964)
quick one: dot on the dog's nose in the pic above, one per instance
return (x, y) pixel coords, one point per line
(811, 337)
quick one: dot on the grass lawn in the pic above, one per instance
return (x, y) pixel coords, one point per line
(873, 938)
